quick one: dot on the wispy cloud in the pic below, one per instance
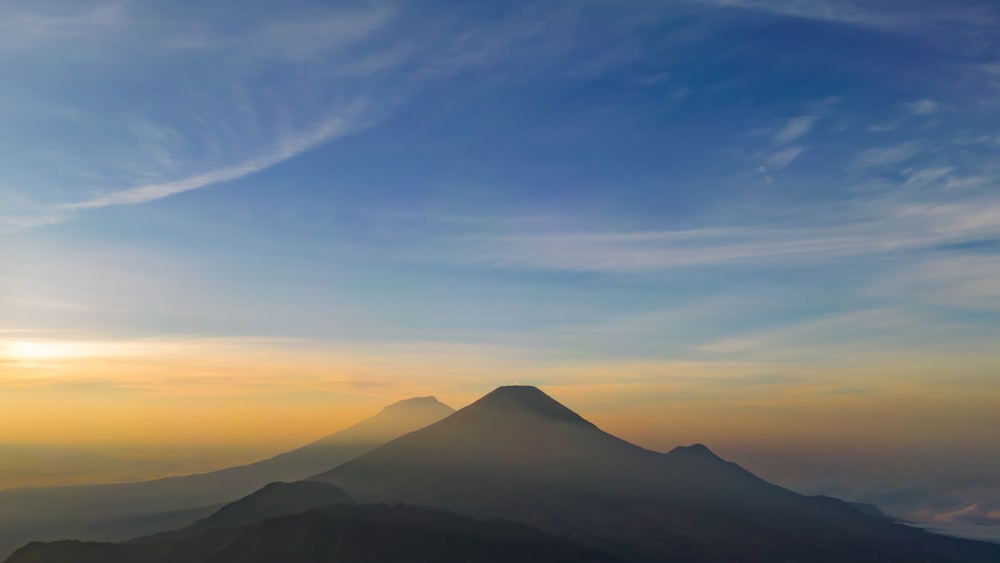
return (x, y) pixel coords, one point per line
(893, 226)
(975, 518)
(657, 250)
(969, 282)
(229, 128)
(795, 128)
(333, 127)
(32, 220)
(851, 11)
(923, 107)
(21, 30)
(886, 156)
(876, 14)
(234, 124)
(927, 176)
(286, 40)
(783, 158)
(958, 506)
(866, 320)
(248, 365)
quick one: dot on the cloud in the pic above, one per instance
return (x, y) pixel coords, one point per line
(926, 176)
(286, 40)
(858, 323)
(847, 11)
(333, 127)
(868, 228)
(227, 365)
(795, 128)
(33, 220)
(783, 158)
(263, 84)
(656, 250)
(886, 156)
(969, 282)
(883, 127)
(923, 107)
(968, 508)
(224, 129)
(868, 13)
(20, 31)
(851, 331)
(970, 512)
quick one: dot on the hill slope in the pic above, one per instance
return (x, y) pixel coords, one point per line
(271, 501)
(120, 511)
(341, 533)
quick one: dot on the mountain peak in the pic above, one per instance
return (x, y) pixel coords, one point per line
(417, 403)
(524, 399)
(694, 451)
(393, 421)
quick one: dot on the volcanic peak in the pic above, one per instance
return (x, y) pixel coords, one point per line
(524, 400)
(417, 403)
(694, 451)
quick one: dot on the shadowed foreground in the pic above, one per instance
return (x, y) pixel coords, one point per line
(338, 533)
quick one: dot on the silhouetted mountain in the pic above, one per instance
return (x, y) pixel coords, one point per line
(273, 500)
(871, 510)
(125, 510)
(518, 454)
(338, 533)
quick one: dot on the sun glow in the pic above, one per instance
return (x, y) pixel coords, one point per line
(53, 350)
(40, 351)
(33, 350)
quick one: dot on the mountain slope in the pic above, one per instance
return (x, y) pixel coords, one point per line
(341, 533)
(271, 501)
(518, 454)
(120, 511)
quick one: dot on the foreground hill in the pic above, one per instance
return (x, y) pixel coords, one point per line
(120, 511)
(518, 454)
(338, 533)
(273, 500)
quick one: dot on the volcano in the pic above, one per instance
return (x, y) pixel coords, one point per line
(518, 454)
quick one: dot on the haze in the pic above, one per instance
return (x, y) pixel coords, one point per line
(770, 227)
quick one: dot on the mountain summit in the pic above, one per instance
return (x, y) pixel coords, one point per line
(523, 400)
(393, 421)
(513, 437)
(417, 404)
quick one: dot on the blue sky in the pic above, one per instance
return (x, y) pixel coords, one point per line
(648, 202)
(467, 172)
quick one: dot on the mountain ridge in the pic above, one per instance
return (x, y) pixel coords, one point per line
(343, 533)
(119, 511)
(514, 455)
(270, 501)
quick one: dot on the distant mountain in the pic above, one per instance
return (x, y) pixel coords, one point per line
(518, 454)
(273, 500)
(338, 533)
(120, 511)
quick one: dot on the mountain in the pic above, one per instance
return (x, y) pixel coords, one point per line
(120, 511)
(340, 533)
(518, 454)
(273, 500)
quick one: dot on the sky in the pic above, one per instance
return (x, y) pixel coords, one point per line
(772, 226)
